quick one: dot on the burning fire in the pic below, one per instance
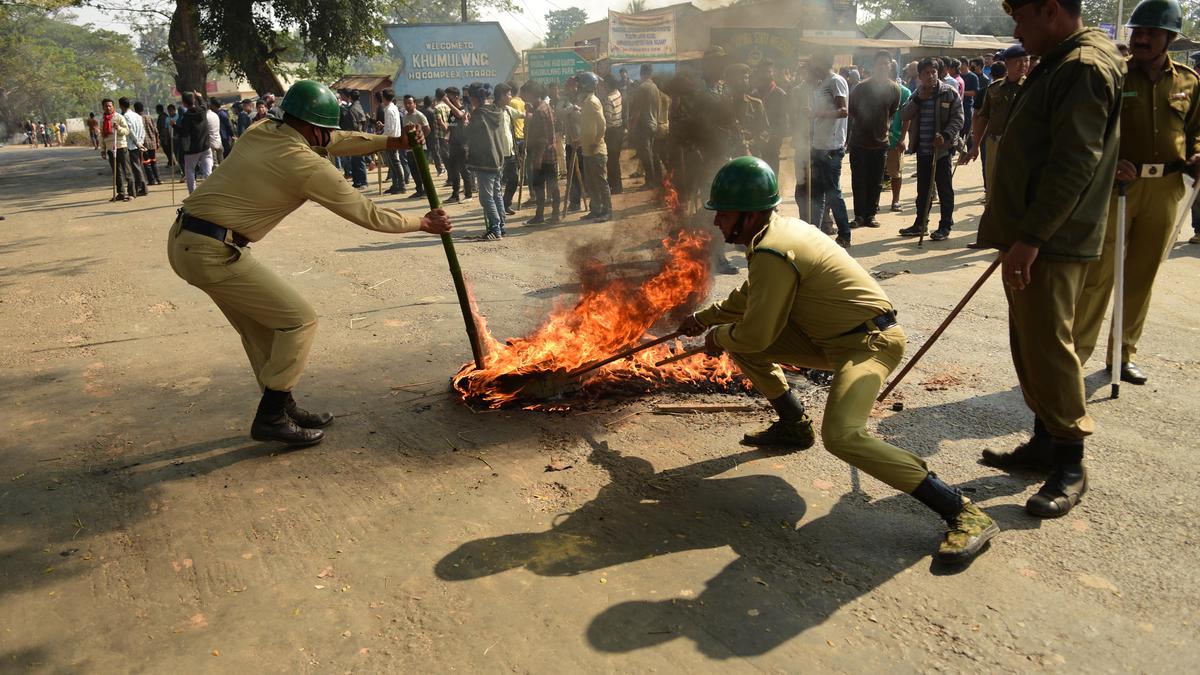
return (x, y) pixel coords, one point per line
(611, 314)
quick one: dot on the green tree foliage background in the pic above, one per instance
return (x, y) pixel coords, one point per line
(51, 69)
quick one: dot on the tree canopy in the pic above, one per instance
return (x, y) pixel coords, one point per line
(53, 69)
(562, 23)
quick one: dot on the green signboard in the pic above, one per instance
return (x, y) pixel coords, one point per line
(555, 66)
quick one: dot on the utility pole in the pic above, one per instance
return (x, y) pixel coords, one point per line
(1120, 23)
(464, 11)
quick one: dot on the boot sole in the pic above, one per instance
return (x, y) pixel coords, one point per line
(1035, 511)
(263, 438)
(971, 551)
(794, 447)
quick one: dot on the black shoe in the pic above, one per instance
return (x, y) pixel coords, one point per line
(536, 220)
(454, 199)
(843, 242)
(508, 211)
(872, 223)
(976, 245)
(914, 231)
(306, 419)
(1036, 454)
(142, 193)
(358, 186)
(1132, 374)
(940, 234)
(554, 220)
(726, 267)
(394, 191)
(796, 435)
(417, 195)
(282, 429)
(1060, 493)
(856, 223)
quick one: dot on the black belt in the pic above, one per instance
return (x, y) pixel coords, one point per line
(1152, 170)
(201, 226)
(882, 322)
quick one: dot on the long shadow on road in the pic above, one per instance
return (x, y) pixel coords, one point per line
(784, 581)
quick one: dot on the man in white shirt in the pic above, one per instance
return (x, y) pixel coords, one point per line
(829, 113)
(392, 126)
(214, 135)
(135, 143)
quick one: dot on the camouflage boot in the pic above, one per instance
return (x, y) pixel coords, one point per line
(793, 430)
(968, 528)
(966, 534)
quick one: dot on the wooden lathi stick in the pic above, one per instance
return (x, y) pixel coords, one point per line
(940, 329)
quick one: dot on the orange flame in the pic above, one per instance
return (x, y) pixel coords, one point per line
(611, 314)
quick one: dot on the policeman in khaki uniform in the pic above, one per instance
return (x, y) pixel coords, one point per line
(276, 166)
(989, 121)
(808, 304)
(747, 113)
(1046, 211)
(1160, 139)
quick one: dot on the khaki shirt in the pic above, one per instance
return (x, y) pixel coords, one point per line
(997, 104)
(272, 171)
(799, 278)
(1056, 161)
(1160, 121)
(591, 127)
(750, 125)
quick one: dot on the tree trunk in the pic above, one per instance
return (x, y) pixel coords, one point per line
(262, 77)
(187, 51)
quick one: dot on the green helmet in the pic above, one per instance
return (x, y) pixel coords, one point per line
(312, 102)
(1164, 14)
(744, 184)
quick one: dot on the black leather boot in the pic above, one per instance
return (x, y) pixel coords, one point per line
(1036, 454)
(967, 527)
(271, 423)
(1066, 485)
(304, 418)
(793, 429)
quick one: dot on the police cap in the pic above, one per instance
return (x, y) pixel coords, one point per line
(1013, 52)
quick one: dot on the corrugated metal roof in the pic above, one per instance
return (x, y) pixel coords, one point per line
(362, 82)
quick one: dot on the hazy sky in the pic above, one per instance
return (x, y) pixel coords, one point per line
(524, 28)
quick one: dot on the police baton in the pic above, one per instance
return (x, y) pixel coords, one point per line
(460, 285)
(1118, 314)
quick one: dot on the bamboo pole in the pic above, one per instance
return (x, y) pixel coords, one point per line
(460, 284)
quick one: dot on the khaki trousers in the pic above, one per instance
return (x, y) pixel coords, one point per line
(276, 324)
(990, 143)
(1041, 319)
(859, 362)
(1150, 208)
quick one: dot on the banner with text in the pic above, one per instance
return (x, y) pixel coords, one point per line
(434, 56)
(647, 35)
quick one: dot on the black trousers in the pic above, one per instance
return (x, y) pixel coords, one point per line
(643, 143)
(866, 180)
(137, 172)
(121, 169)
(509, 174)
(945, 189)
(411, 159)
(456, 166)
(614, 140)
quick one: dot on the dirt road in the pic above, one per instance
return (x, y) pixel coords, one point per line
(144, 531)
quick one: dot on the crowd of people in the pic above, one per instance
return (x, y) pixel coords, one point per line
(39, 134)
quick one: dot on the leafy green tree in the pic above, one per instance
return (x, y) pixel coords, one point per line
(562, 23)
(53, 69)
